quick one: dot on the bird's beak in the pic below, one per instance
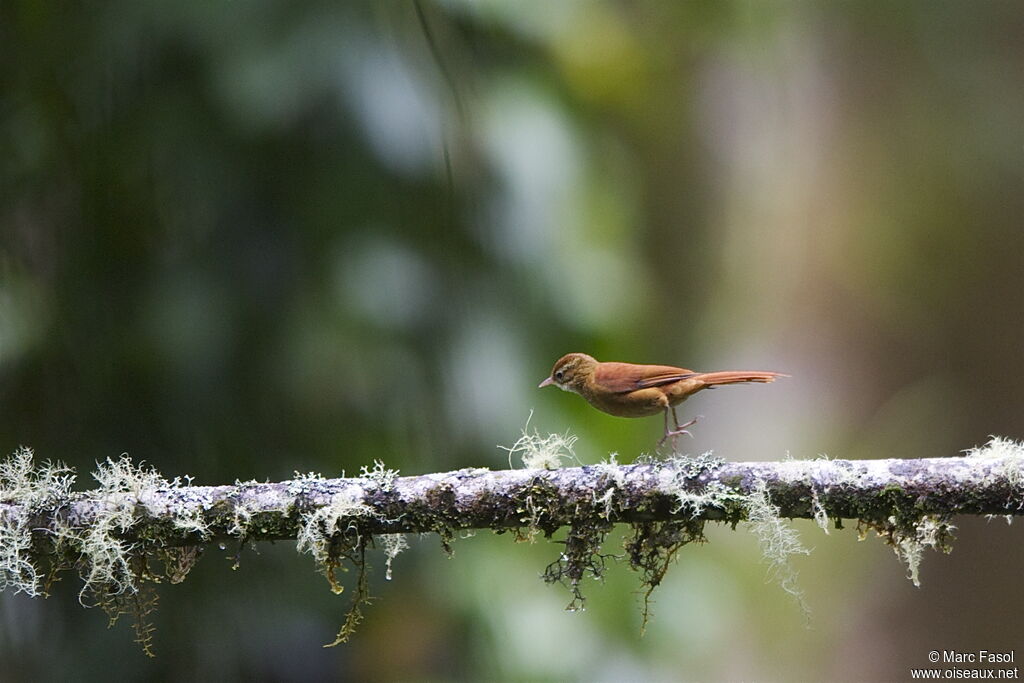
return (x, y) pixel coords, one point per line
(546, 383)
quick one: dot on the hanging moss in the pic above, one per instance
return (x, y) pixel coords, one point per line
(137, 529)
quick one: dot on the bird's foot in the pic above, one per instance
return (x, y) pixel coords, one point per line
(679, 431)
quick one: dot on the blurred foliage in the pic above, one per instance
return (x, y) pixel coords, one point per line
(239, 239)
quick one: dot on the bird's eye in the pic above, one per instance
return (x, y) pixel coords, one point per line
(559, 375)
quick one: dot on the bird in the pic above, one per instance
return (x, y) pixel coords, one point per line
(632, 390)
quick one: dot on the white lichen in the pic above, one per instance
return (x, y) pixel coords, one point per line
(779, 541)
(607, 501)
(241, 518)
(610, 468)
(32, 489)
(318, 527)
(17, 570)
(243, 507)
(1010, 452)
(23, 483)
(676, 474)
(929, 532)
(107, 555)
(191, 521)
(392, 545)
(122, 476)
(541, 452)
(380, 475)
(997, 447)
(714, 495)
(301, 481)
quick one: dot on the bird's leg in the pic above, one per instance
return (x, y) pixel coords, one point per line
(679, 430)
(662, 440)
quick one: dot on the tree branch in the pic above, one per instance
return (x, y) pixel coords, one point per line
(676, 489)
(113, 534)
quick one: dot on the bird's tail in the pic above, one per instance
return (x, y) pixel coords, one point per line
(712, 379)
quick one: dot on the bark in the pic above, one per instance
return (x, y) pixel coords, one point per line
(677, 489)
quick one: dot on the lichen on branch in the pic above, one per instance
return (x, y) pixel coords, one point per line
(137, 528)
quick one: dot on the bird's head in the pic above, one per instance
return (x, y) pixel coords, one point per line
(571, 371)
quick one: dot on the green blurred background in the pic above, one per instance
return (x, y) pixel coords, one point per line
(240, 239)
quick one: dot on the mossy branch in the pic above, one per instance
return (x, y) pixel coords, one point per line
(548, 499)
(111, 534)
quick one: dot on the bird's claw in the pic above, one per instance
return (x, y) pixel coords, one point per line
(679, 431)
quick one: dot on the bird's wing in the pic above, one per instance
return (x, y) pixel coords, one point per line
(625, 377)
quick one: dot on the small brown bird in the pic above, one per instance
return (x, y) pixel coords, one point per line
(630, 390)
